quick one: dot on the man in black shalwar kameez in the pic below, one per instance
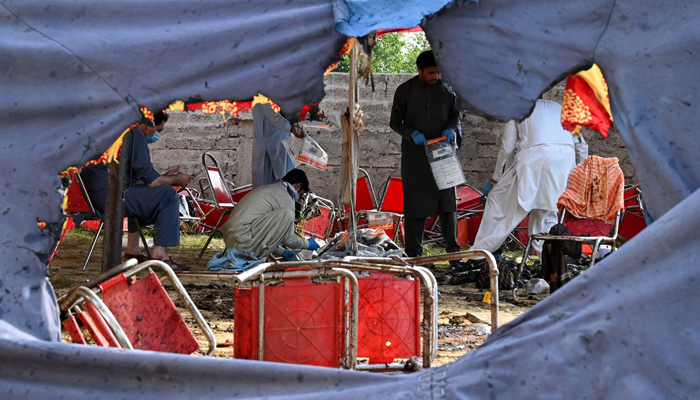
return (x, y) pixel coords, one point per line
(424, 109)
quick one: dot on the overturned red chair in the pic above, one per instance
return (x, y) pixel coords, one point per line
(128, 307)
(332, 323)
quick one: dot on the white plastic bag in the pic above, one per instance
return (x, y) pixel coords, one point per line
(444, 163)
(306, 150)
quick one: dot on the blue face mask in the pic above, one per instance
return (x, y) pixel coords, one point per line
(153, 139)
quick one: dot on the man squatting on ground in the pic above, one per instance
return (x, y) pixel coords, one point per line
(424, 109)
(148, 196)
(264, 219)
(529, 182)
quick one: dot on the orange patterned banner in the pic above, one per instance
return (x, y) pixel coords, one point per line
(586, 102)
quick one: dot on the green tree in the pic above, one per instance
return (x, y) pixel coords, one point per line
(394, 53)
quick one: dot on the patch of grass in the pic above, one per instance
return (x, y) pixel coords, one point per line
(81, 236)
(63, 282)
(435, 250)
(196, 240)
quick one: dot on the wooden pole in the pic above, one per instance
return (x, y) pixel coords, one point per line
(352, 82)
(114, 209)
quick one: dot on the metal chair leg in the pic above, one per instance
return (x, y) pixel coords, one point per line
(143, 238)
(526, 254)
(211, 235)
(94, 242)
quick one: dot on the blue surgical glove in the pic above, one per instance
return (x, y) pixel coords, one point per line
(418, 138)
(312, 244)
(450, 135)
(488, 188)
(288, 255)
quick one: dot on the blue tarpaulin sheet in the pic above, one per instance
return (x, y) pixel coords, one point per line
(73, 73)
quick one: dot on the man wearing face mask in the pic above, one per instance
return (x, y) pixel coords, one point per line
(148, 197)
(264, 219)
(159, 120)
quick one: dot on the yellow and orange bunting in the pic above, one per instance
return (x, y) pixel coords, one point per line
(586, 102)
(261, 99)
(147, 113)
(176, 106)
(343, 51)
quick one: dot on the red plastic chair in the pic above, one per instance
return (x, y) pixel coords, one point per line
(392, 197)
(222, 201)
(134, 311)
(303, 323)
(320, 226)
(390, 206)
(78, 202)
(632, 221)
(585, 228)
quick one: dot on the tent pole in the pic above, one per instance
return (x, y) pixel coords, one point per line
(352, 82)
(114, 211)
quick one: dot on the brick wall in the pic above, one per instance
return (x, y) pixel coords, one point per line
(230, 139)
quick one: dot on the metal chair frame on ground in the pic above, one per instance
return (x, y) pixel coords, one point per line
(96, 215)
(189, 217)
(134, 310)
(222, 200)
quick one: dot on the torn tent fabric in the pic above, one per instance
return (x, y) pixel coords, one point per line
(499, 56)
(359, 17)
(73, 76)
(74, 73)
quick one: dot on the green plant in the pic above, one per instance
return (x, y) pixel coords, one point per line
(394, 53)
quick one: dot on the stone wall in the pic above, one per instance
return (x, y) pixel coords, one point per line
(230, 139)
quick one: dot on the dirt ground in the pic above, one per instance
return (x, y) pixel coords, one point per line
(214, 298)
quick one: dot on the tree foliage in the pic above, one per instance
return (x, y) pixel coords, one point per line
(394, 53)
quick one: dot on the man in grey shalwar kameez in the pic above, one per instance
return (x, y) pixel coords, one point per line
(270, 159)
(424, 109)
(264, 219)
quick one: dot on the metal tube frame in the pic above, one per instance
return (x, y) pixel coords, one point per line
(351, 314)
(81, 294)
(129, 269)
(595, 240)
(405, 266)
